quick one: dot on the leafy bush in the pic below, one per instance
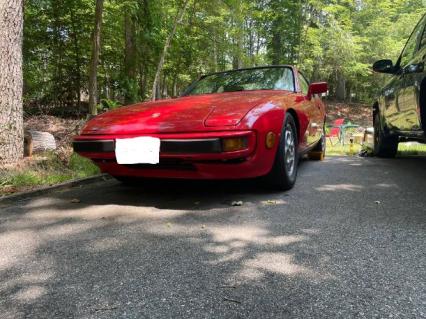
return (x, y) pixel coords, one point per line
(82, 167)
(107, 105)
(45, 169)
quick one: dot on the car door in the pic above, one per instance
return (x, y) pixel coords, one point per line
(315, 111)
(409, 68)
(420, 76)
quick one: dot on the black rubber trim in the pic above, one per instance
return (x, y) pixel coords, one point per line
(196, 146)
(104, 146)
(213, 145)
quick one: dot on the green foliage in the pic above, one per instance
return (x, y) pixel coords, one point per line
(46, 169)
(82, 167)
(411, 149)
(344, 38)
(342, 150)
(129, 89)
(107, 104)
(332, 40)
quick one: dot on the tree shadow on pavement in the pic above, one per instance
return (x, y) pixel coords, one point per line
(339, 245)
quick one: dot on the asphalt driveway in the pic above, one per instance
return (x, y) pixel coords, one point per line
(347, 242)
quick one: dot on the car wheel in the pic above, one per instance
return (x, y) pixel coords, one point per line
(284, 171)
(384, 145)
(318, 152)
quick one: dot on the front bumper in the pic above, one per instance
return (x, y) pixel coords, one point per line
(168, 146)
(191, 156)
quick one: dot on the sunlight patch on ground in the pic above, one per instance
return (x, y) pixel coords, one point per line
(252, 235)
(232, 242)
(16, 246)
(105, 244)
(65, 230)
(274, 202)
(384, 185)
(278, 263)
(112, 211)
(27, 279)
(30, 293)
(340, 187)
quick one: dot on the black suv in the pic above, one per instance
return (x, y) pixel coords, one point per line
(400, 110)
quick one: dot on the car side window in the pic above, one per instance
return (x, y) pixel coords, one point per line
(304, 85)
(411, 46)
(423, 38)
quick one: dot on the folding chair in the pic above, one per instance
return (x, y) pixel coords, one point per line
(336, 131)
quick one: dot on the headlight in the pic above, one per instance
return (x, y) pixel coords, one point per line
(233, 144)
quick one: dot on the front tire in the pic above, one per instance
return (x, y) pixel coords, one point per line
(284, 171)
(384, 145)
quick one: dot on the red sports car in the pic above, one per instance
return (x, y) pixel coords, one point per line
(236, 124)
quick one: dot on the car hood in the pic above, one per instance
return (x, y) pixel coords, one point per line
(185, 114)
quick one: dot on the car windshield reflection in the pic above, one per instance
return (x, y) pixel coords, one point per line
(275, 78)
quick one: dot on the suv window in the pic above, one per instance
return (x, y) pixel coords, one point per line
(304, 85)
(411, 46)
(423, 39)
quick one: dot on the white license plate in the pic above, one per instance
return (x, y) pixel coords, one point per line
(138, 150)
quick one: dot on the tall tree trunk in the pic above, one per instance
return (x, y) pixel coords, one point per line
(130, 67)
(96, 48)
(349, 92)
(276, 47)
(174, 89)
(237, 62)
(178, 20)
(58, 55)
(214, 53)
(165, 89)
(142, 80)
(144, 50)
(340, 87)
(11, 82)
(77, 59)
(238, 42)
(305, 25)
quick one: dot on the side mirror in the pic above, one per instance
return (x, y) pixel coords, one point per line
(317, 88)
(384, 66)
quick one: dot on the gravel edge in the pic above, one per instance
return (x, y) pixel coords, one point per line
(49, 189)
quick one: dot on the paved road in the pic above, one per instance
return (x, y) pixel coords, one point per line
(347, 242)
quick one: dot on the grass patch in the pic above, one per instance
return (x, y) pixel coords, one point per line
(411, 149)
(82, 167)
(44, 170)
(342, 150)
(404, 149)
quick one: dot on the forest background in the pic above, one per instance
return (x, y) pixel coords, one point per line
(158, 47)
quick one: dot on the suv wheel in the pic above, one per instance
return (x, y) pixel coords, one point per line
(384, 144)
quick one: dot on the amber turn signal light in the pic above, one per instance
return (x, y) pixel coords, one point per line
(234, 144)
(271, 137)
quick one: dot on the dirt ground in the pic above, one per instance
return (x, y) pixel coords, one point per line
(360, 114)
(62, 129)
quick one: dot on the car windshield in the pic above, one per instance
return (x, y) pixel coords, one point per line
(275, 78)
